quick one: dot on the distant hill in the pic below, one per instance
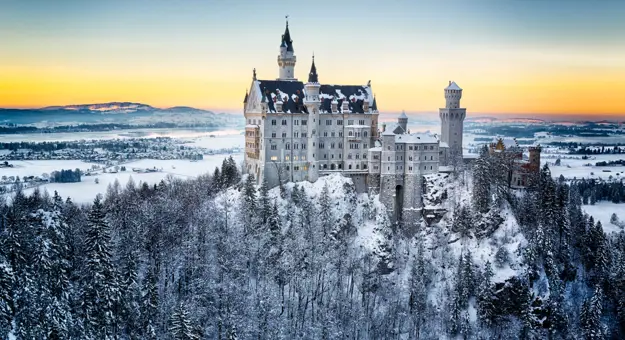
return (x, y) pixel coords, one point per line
(127, 113)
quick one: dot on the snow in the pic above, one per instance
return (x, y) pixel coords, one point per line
(453, 86)
(602, 211)
(37, 168)
(85, 191)
(416, 138)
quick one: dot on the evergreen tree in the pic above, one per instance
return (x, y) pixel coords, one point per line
(100, 291)
(181, 327)
(326, 218)
(6, 296)
(250, 205)
(481, 183)
(149, 305)
(590, 316)
(264, 202)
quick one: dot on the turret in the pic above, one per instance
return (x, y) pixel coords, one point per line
(312, 103)
(286, 58)
(402, 120)
(453, 94)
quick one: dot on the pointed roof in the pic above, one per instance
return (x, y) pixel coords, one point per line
(286, 39)
(246, 96)
(312, 76)
(453, 86)
(403, 115)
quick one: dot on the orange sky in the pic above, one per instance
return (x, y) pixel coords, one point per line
(203, 57)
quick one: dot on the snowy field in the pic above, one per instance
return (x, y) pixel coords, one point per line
(577, 168)
(602, 211)
(85, 191)
(37, 168)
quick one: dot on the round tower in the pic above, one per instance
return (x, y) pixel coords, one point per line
(535, 157)
(312, 103)
(453, 94)
(286, 58)
(402, 120)
(452, 123)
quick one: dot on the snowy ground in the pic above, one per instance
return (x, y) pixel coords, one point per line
(576, 168)
(37, 168)
(85, 191)
(602, 211)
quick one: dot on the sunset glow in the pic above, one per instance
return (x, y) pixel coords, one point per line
(508, 59)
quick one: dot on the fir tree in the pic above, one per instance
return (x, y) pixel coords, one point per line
(181, 327)
(264, 202)
(100, 288)
(481, 183)
(250, 205)
(590, 316)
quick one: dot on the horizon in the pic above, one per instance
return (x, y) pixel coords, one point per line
(552, 59)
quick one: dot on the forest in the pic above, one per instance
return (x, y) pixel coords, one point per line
(217, 257)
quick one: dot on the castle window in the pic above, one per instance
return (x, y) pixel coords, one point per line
(273, 135)
(321, 145)
(296, 122)
(365, 146)
(249, 121)
(339, 122)
(274, 147)
(361, 122)
(325, 166)
(364, 156)
(357, 167)
(296, 168)
(286, 158)
(331, 145)
(409, 168)
(431, 158)
(430, 167)
(325, 134)
(332, 156)
(288, 146)
(296, 134)
(328, 122)
(304, 122)
(287, 168)
(294, 158)
(284, 122)
(376, 157)
(303, 146)
(325, 156)
(364, 166)
(410, 147)
(350, 134)
(273, 122)
(340, 155)
(388, 148)
(350, 167)
(357, 156)
(349, 156)
(274, 158)
(389, 159)
(388, 168)
(284, 135)
(304, 134)
(340, 133)
(350, 122)
(340, 145)
(410, 158)
(303, 158)
(332, 133)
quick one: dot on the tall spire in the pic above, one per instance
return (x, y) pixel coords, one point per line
(286, 37)
(312, 76)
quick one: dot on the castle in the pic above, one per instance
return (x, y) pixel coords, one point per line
(298, 131)
(520, 170)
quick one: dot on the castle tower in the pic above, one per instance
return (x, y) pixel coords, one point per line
(452, 120)
(286, 58)
(403, 121)
(312, 103)
(535, 158)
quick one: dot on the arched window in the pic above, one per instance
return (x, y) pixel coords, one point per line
(350, 167)
(288, 146)
(350, 134)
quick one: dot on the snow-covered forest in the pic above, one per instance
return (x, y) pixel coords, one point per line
(217, 257)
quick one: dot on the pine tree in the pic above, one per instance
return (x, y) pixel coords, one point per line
(481, 183)
(250, 204)
(485, 298)
(149, 305)
(264, 202)
(181, 327)
(100, 288)
(6, 296)
(326, 218)
(590, 316)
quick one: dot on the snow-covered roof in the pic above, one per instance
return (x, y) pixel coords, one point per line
(358, 126)
(403, 115)
(251, 126)
(453, 86)
(388, 132)
(376, 149)
(416, 138)
(443, 145)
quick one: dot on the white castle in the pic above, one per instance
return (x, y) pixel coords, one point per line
(299, 131)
